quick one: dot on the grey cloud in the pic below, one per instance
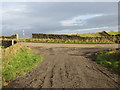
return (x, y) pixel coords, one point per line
(108, 20)
(46, 17)
(70, 9)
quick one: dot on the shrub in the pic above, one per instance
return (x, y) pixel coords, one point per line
(110, 59)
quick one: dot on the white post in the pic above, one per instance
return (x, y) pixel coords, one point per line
(12, 42)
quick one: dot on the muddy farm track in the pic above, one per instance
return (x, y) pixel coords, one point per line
(67, 66)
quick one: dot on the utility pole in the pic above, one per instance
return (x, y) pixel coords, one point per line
(23, 34)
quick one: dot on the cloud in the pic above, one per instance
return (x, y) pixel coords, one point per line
(62, 17)
(79, 20)
(60, 1)
(86, 30)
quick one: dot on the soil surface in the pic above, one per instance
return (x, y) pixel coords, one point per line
(68, 66)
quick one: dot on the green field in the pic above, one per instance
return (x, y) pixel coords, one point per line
(114, 33)
(17, 61)
(97, 34)
(89, 35)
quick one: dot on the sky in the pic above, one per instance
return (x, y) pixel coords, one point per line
(58, 17)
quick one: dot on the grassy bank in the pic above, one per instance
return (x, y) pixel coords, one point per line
(17, 60)
(110, 59)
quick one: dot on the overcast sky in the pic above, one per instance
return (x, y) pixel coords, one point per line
(58, 17)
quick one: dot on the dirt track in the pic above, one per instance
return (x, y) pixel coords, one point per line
(68, 66)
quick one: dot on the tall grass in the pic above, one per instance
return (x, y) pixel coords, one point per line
(17, 63)
(65, 41)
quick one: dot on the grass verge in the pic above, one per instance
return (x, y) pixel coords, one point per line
(16, 62)
(110, 59)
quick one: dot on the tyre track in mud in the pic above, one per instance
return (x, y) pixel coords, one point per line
(67, 67)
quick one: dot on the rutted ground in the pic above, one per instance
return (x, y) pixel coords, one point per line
(67, 66)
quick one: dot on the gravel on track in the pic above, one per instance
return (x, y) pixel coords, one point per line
(67, 66)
